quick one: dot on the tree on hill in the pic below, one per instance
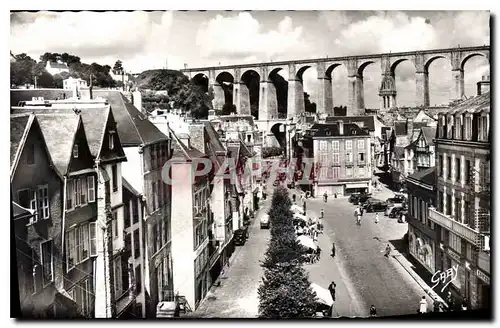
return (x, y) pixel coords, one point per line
(25, 69)
(309, 106)
(227, 109)
(118, 68)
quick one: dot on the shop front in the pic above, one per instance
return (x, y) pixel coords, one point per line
(351, 188)
(422, 248)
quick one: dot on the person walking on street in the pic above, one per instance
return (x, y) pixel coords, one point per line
(322, 213)
(387, 251)
(373, 311)
(304, 206)
(318, 252)
(376, 217)
(437, 306)
(325, 197)
(333, 250)
(320, 225)
(422, 306)
(361, 210)
(464, 304)
(450, 302)
(331, 289)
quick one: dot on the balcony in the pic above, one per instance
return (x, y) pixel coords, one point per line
(457, 228)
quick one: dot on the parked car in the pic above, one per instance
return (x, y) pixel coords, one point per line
(376, 206)
(361, 199)
(240, 236)
(396, 200)
(368, 201)
(394, 211)
(354, 197)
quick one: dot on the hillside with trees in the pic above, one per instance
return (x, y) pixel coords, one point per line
(24, 70)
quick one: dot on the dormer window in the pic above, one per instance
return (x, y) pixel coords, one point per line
(458, 127)
(449, 132)
(75, 151)
(111, 140)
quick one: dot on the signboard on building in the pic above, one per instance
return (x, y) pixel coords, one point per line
(454, 255)
(483, 276)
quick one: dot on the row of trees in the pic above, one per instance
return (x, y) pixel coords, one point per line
(285, 291)
(26, 70)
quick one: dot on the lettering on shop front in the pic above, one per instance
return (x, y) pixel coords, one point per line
(444, 277)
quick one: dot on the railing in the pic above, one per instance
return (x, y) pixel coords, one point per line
(125, 300)
(456, 227)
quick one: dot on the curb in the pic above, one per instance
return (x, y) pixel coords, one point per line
(432, 294)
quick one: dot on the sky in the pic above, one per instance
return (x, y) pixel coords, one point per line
(149, 40)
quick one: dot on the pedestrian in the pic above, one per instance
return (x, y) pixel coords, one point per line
(331, 289)
(335, 195)
(422, 306)
(437, 306)
(464, 304)
(450, 302)
(333, 250)
(361, 210)
(322, 213)
(318, 252)
(304, 206)
(325, 197)
(387, 251)
(294, 198)
(373, 311)
(315, 235)
(376, 217)
(320, 225)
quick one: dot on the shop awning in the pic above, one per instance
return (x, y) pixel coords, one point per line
(356, 185)
(323, 294)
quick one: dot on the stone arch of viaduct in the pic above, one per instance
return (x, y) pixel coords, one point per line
(324, 67)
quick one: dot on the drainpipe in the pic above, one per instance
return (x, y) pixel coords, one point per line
(63, 214)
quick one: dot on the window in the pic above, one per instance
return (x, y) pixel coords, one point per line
(448, 204)
(47, 255)
(83, 191)
(455, 242)
(159, 277)
(75, 151)
(361, 157)
(336, 172)
(440, 167)
(80, 244)
(361, 144)
(348, 172)
(348, 158)
(166, 227)
(348, 144)
(458, 127)
(324, 159)
(160, 194)
(335, 146)
(458, 169)
(91, 189)
(138, 279)
(155, 237)
(458, 207)
(137, 244)
(468, 127)
(30, 154)
(336, 158)
(323, 173)
(114, 172)
(361, 172)
(467, 171)
(448, 162)
(111, 140)
(126, 215)
(117, 270)
(115, 224)
(200, 233)
(93, 243)
(27, 199)
(322, 145)
(135, 212)
(158, 229)
(82, 295)
(155, 195)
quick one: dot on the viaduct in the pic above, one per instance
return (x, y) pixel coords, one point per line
(238, 75)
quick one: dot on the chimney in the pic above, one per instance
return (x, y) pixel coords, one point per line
(137, 100)
(483, 86)
(341, 127)
(185, 138)
(197, 135)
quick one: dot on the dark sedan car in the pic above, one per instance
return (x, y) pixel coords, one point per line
(395, 200)
(240, 236)
(354, 197)
(361, 199)
(376, 206)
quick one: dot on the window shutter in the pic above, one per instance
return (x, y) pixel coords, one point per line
(91, 189)
(93, 239)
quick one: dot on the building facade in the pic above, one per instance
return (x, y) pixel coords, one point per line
(462, 212)
(342, 159)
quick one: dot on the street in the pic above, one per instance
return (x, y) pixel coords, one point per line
(237, 296)
(361, 270)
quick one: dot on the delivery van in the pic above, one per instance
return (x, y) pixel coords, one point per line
(264, 221)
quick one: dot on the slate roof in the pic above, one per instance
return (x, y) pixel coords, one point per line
(133, 126)
(215, 143)
(94, 120)
(427, 176)
(17, 95)
(368, 120)
(473, 105)
(400, 128)
(182, 151)
(350, 129)
(429, 134)
(59, 132)
(19, 128)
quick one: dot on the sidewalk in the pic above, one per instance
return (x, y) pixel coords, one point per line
(409, 267)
